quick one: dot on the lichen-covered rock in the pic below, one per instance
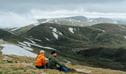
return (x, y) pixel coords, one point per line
(1, 53)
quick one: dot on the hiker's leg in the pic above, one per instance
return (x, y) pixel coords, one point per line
(46, 66)
(63, 68)
(41, 67)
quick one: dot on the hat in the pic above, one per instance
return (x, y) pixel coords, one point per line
(42, 51)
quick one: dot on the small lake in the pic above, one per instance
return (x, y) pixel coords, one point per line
(11, 49)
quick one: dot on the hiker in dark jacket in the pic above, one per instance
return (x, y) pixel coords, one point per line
(55, 64)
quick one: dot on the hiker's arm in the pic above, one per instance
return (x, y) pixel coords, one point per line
(58, 63)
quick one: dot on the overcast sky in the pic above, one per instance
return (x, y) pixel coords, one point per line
(16, 13)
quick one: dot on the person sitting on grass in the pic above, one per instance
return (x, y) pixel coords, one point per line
(55, 64)
(41, 60)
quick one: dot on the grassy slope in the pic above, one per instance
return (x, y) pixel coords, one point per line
(23, 67)
(22, 29)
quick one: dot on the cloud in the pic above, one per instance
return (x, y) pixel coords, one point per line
(92, 5)
(38, 14)
(13, 19)
(59, 1)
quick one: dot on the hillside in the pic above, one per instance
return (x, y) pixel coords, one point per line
(105, 38)
(5, 34)
(78, 37)
(21, 30)
(100, 45)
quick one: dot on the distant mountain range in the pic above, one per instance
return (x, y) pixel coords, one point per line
(78, 21)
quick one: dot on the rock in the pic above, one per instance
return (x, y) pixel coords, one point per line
(1, 53)
(7, 59)
(2, 41)
(83, 71)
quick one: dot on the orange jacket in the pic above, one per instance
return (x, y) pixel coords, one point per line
(40, 60)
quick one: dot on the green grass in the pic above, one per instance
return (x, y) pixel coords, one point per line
(25, 65)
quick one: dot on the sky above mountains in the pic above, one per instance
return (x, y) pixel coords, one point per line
(16, 13)
(89, 5)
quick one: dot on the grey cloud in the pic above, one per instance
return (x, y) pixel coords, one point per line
(24, 5)
(59, 1)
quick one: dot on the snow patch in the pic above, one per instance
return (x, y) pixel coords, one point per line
(37, 45)
(51, 27)
(100, 30)
(47, 39)
(54, 30)
(71, 30)
(22, 44)
(60, 33)
(15, 29)
(37, 40)
(125, 37)
(26, 45)
(55, 35)
(33, 40)
(103, 30)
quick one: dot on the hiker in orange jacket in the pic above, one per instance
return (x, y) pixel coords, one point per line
(41, 60)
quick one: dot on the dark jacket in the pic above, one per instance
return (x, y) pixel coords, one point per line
(54, 63)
